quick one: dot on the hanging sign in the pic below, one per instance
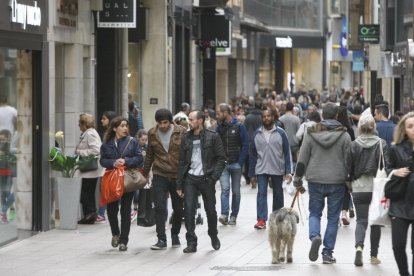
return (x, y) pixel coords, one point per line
(117, 14)
(369, 33)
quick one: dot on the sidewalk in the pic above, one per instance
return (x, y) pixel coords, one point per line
(244, 251)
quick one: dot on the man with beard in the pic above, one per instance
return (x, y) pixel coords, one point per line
(202, 160)
(162, 156)
(270, 157)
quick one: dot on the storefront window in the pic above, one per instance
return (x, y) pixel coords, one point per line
(15, 140)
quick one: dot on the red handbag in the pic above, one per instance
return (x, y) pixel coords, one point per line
(112, 187)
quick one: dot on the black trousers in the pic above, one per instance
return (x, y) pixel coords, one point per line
(162, 186)
(87, 198)
(192, 187)
(399, 230)
(112, 210)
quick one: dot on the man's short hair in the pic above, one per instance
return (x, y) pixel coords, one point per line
(383, 109)
(200, 115)
(289, 106)
(223, 107)
(185, 107)
(163, 114)
(329, 111)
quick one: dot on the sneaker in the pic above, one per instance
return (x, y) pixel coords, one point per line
(175, 241)
(134, 215)
(328, 259)
(3, 218)
(375, 260)
(345, 220)
(123, 247)
(232, 220)
(160, 245)
(261, 224)
(314, 250)
(223, 220)
(100, 219)
(115, 241)
(358, 257)
(351, 213)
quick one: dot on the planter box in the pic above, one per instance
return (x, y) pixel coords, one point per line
(69, 190)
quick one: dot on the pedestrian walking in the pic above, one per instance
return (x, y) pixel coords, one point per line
(162, 157)
(385, 127)
(401, 164)
(202, 160)
(322, 160)
(235, 140)
(118, 150)
(291, 123)
(89, 144)
(362, 166)
(270, 157)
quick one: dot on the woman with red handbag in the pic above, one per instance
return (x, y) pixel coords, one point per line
(118, 151)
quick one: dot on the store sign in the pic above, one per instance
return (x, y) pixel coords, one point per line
(67, 13)
(215, 32)
(358, 60)
(284, 42)
(369, 33)
(25, 14)
(117, 14)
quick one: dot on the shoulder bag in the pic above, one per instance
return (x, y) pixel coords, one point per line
(87, 163)
(396, 187)
(133, 178)
(378, 209)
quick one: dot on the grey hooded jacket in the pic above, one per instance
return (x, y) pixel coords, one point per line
(323, 153)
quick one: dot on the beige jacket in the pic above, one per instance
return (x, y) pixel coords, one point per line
(89, 143)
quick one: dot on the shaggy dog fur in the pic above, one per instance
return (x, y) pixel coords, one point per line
(282, 231)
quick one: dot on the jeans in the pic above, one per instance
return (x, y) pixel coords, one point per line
(278, 200)
(233, 171)
(6, 194)
(399, 229)
(88, 195)
(317, 194)
(208, 191)
(112, 210)
(163, 185)
(362, 202)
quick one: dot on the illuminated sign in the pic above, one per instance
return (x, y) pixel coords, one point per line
(25, 14)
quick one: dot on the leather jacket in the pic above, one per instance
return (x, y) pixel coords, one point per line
(401, 155)
(213, 156)
(163, 163)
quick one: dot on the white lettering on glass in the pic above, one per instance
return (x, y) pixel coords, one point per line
(25, 14)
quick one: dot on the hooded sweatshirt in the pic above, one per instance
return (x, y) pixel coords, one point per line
(363, 160)
(323, 153)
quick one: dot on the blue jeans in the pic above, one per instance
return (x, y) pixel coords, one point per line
(6, 194)
(335, 195)
(278, 200)
(234, 172)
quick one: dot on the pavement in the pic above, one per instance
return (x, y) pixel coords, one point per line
(244, 250)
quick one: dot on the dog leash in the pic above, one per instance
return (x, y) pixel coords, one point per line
(296, 197)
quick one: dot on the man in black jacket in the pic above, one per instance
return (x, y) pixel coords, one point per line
(202, 160)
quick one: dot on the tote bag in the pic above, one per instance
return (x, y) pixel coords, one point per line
(378, 209)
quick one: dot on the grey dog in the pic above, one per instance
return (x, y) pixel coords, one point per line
(282, 232)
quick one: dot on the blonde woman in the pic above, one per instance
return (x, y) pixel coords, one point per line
(401, 164)
(89, 143)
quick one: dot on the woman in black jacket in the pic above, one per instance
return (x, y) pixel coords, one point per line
(119, 149)
(401, 164)
(362, 165)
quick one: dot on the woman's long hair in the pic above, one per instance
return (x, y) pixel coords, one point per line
(116, 122)
(399, 131)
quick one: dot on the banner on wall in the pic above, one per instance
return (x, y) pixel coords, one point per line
(358, 61)
(118, 14)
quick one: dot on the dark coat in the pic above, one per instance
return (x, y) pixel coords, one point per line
(212, 155)
(401, 155)
(110, 152)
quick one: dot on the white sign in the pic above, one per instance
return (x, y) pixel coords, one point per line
(24, 14)
(284, 42)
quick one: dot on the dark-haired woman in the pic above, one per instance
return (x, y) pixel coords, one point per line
(119, 149)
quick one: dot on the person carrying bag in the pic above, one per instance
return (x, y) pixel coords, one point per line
(119, 152)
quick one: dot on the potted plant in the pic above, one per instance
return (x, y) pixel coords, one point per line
(69, 187)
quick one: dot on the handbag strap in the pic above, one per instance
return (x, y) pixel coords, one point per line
(129, 141)
(81, 139)
(381, 157)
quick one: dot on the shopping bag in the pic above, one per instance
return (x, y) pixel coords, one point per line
(378, 209)
(112, 187)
